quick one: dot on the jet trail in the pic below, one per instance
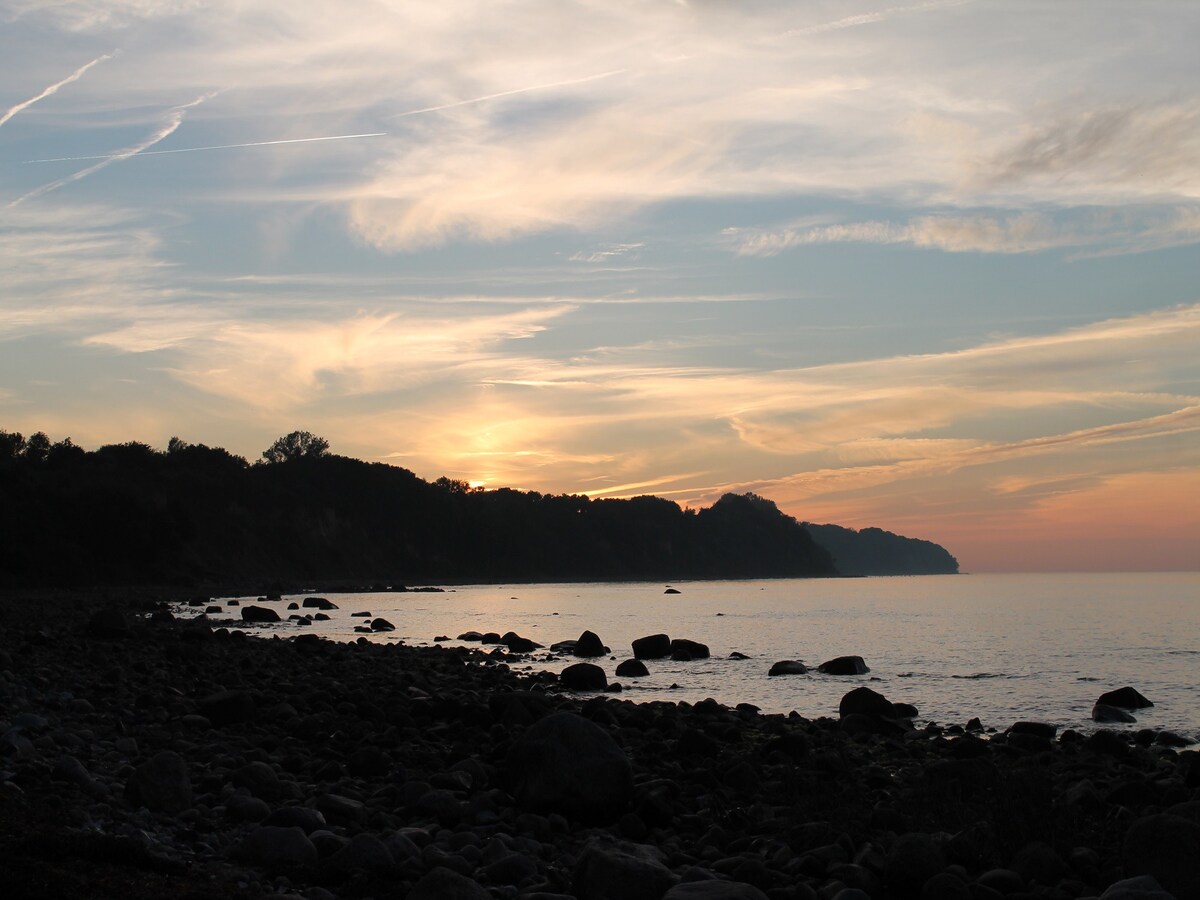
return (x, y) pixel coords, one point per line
(173, 122)
(74, 76)
(335, 137)
(524, 90)
(872, 18)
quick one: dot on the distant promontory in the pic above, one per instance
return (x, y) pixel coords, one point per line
(198, 516)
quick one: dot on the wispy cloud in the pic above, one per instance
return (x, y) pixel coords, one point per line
(74, 76)
(509, 93)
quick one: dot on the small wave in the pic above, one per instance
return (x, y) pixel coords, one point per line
(978, 675)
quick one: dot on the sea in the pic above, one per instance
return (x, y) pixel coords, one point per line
(1000, 647)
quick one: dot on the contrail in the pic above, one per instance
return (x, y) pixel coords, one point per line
(335, 137)
(173, 122)
(871, 18)
(74, 76)
(524, 90)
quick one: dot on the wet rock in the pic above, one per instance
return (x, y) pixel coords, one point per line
(589, 645)
(685, 650)
(470, 636)
(517, 644)
(866, 702)
(319, 603)
(583, 677)
(161, 784)
(108, 623)
(629, 871)
(844, 665)
(365, 852)
(228, 707)
(714, 890)
(788, 667)
(277, 849)
(1167, 847)
(567, 764)
(1124, 698)
(259, 614)
(1102, 712)
(381, 624)
(672, 590)
(445, 884)
(1037, 729)
(1140, 887)
(653, 646)
(632, 668)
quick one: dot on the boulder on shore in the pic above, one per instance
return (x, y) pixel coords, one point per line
(1124, 698)
(789, 667)
(844, 665)
(589, 645)
(866, 702)
(569, 765)
(583, 677)
(259, 614)
(653, 646)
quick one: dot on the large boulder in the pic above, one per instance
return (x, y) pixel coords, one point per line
(569, 765)
(632, 668)
(589, 645)
(259, 614)
(653, 646)
(714, 890)
(866, 702)
(583, 677)
(319, 603)
(683, 649)
(1124, 698)
(631, 872)
(1166, 847)
(277, 849)
(382, 624)
(161, 784)
(789, 667)
(844, 665)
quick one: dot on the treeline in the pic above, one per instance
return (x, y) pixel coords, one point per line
(193, 515)
(873, 551)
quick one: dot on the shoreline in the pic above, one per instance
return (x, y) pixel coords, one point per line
(413, 758)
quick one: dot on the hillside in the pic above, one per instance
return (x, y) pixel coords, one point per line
(873, 551)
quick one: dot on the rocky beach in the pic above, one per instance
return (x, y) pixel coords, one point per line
(149, 753)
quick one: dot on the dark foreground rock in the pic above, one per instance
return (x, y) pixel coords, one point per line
(177, 759)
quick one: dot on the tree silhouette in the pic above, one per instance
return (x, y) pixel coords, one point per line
(297, 445)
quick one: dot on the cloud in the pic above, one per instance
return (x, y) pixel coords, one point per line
(1090, 231)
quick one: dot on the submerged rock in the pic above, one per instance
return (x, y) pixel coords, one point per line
(1102, 712)
(632, 668)
(789, 667)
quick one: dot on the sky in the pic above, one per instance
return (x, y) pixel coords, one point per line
(926, 266)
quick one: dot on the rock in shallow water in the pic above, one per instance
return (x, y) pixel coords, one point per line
(583, 677)
(789, 667)
(653, 646)
(589, 645)
(1124, 698)
(632, 668)
(844, 665)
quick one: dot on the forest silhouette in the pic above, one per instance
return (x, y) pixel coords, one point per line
(199, 516)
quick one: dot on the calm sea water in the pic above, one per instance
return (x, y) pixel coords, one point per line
(1001, 647)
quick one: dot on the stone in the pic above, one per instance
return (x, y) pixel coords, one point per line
(945, 886)
(441, 883)
(583, 677)
(632, 668)
(714, 890)
(589, 645)
(382, 624)
(108, 623)
(243, 808)
(517, 644)
(653, 646)
(161, 784)
(258, 778)
(629, 871)
(1102, 712)
(259, 614)
(1039, 863)
(1140, 887)
(865, 702)
(319, 603)
(277, 849)
(1124, 698)
(1037, 729)
(339, 810)
(567, 764)
(303, 817)
(911, 861)
(788, 667)
(844, 665)
(365, 852)
(1167, 847)
(470, 636)
(228, 707)
(672, 590)
(688, 650)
